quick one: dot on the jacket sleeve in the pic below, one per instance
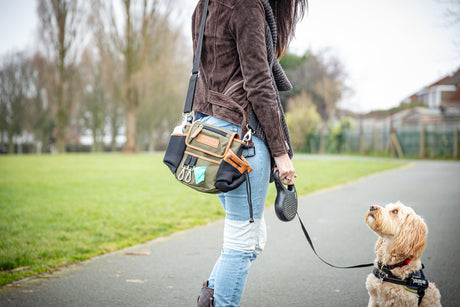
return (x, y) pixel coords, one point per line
(248, 27)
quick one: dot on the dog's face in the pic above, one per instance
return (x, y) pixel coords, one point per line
(400, 225)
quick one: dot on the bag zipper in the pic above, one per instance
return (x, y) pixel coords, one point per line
(233, 86)
(215, 130)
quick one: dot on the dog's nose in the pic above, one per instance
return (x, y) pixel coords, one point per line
(373, 208)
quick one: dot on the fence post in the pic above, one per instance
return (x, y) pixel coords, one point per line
(455, 153)
(376, 139)
(361, 138)
(422, 141)
(396, 145)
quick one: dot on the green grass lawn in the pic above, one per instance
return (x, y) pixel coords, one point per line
(60, 209)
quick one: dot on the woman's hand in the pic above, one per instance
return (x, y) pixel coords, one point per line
(286, 169)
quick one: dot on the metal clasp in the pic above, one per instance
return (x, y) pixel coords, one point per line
(248, 136)
(187, 118)
(382, 275)
(188, 177)
(181, 174)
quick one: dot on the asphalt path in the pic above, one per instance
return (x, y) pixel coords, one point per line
(169, 271)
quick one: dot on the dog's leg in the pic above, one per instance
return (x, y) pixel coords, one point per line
(372, 302)
(372, 291)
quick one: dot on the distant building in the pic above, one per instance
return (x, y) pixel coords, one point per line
(443, 94)
(435, 106)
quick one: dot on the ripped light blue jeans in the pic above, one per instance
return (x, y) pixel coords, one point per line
(242, 240)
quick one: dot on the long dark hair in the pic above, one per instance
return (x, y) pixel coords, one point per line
(287, 14)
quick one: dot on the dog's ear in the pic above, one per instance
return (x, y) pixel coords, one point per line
(411, 240)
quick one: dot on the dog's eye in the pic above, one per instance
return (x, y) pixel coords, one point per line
(395, 211)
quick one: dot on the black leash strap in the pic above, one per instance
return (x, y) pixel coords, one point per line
(334, 266)
(196, 63)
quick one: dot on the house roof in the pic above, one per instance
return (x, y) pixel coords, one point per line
(452, 80)
(442, 81)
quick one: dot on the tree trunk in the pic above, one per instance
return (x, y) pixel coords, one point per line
(61, 125)
(323, 138)
(131, 122)
(152, 142)
(10, 143)
(94, 147)
(113, 143)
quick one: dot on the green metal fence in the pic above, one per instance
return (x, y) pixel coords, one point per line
(411, 143)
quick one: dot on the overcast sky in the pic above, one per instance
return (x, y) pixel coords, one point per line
(389, 48)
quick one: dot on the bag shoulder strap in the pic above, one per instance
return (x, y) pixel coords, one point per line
(196, 63)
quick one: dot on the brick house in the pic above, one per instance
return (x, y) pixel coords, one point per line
(443, 94)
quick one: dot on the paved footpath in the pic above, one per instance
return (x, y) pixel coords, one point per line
(169, 271)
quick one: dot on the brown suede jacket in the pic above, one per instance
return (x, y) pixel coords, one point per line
(234, 71)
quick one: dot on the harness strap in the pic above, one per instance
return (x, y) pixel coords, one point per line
(307, 236)
(421, 284)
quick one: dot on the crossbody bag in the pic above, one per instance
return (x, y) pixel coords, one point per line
(204, 157)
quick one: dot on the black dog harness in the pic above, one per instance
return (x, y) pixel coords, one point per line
(415, 282)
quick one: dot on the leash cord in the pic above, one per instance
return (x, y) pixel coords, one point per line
(332, 265)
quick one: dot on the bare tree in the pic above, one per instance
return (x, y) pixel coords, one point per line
(40, 121)
(108, 61)
(14, 93)
(138, 46)
(162, 89)
(322, 76)
(453, 17)
(92, 108)
(60, 21)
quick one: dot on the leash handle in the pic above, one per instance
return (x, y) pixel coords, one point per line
(329, 264)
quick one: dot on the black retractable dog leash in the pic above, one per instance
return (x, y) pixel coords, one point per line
(286, 209)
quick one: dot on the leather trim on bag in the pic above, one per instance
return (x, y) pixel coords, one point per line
(207, 140)
(200, 157)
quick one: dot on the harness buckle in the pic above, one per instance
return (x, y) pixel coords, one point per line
(381, 275)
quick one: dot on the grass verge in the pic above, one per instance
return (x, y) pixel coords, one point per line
(60, 209)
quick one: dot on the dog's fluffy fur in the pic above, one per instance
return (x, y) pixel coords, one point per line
(402, 234)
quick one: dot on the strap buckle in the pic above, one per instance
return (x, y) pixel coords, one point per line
(381, 275)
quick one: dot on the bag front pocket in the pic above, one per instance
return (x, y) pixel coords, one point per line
(175, 151)
(209, 140)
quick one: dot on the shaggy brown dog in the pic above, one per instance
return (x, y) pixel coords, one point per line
(401, 242)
